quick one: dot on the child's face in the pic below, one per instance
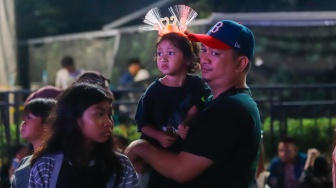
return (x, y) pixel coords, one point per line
(170, 60)
(32, 127)
(96, 123)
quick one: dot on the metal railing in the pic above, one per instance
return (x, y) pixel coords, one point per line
(278, 102)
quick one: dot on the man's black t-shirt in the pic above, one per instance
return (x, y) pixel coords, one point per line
(228, 133)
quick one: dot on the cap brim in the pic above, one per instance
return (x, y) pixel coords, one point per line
(209, 41)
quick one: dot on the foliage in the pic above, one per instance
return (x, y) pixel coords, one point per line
(129, 131)
(5, 149)
(308, 132)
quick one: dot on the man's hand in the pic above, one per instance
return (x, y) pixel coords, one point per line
(181, 167)
(183, 130)
(312, 154)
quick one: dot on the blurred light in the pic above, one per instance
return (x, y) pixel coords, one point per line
(258, 61)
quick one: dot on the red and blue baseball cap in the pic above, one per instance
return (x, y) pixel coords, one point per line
(228, 34)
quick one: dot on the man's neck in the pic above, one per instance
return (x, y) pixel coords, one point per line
(220, 86)
(219, 89)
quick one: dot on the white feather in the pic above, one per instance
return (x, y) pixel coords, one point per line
(152, 17)
(153, 21)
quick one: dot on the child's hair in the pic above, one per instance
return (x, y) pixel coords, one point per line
(40, 107)
(94, 77)
(190, 50)
(46, 92)
(66, 136)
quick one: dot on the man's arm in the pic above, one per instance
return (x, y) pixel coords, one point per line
(181, 167)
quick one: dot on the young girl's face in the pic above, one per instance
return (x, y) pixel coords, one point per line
(32, 127)
(170, 59)
(96, 123)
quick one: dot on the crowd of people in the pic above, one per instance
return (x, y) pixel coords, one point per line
(197, 130)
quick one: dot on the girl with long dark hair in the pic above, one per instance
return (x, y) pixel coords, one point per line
(78, 152)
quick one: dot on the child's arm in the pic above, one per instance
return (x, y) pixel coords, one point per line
(165, 139)
(183, 128)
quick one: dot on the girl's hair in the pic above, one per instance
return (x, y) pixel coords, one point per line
(190, 50)
(94, 77)
(40, 107)
(66, 136)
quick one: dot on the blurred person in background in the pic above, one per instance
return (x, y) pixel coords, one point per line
(286, 169)
(317, 171)
(134, 74)
(68, 73)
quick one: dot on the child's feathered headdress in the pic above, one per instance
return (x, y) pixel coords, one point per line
(182, 15)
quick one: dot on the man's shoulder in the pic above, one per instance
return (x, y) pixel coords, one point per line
(62, 72)
(301, 157)
(143, 71)
(241, 100)
(142, 74)
(275, 161)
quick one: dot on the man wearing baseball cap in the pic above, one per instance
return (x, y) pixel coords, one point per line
(221, 148)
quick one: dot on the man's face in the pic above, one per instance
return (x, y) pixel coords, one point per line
(134, 68)
(287, 152)
(218, 65)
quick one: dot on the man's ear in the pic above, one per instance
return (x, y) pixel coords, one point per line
(242, 63)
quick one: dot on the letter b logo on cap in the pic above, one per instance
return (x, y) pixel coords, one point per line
(216, 27)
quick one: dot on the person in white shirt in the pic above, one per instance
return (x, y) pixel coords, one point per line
(68, 73)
